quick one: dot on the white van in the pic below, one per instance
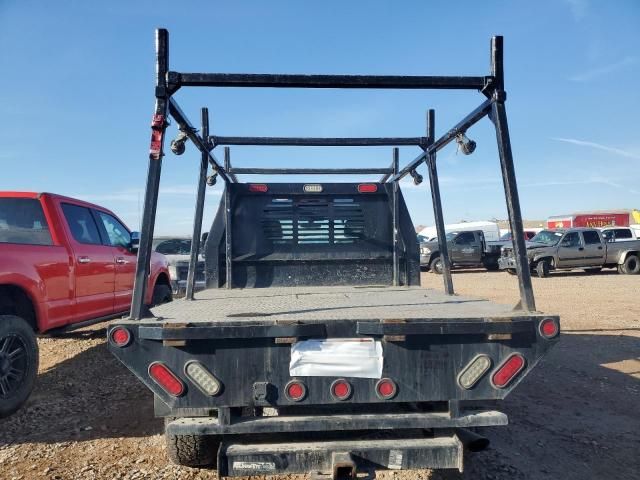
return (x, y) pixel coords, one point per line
(490, 229)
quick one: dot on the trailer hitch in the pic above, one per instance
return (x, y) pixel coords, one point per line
(343, 467)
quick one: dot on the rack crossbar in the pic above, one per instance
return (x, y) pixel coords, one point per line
(178, 79)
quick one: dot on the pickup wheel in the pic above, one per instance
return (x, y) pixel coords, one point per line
(18, 363)
(512, 271)
(631, 265)
(192, 450)
(542, 268)
(161, 294)
(436, 265)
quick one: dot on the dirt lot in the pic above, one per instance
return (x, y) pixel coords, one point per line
(577, 416)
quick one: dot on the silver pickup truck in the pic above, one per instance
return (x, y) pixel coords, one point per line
(567, 249)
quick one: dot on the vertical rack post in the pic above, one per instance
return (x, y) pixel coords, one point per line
(437, 206)
(227, 222)
(158, 128)
(499, 118)
(395, 218)
(197, 219)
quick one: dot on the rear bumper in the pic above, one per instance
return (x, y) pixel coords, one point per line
(324, 423)
(328, 444)
(341, 458)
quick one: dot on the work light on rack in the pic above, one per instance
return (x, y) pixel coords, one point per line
(417, 178)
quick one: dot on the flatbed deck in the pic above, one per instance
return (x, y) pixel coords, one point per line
(313, 304)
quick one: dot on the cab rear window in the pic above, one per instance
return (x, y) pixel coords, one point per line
(22, 221)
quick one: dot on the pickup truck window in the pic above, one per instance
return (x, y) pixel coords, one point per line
(622, 233)
(81, 223)
(174, 246)
(22, 221)
(465, 238)
(591, 237)
(547, 237)
(571, 239)
(118, 234)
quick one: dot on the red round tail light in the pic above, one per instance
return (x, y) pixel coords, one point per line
(295, 390)
(168, 380)
(549, 328)
(386, 388)
(508, 370)
(120, 337)
(341, 389)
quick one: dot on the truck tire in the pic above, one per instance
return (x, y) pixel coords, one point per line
(492, 267)
(436, 265)
(192, 450)
(18, 363)
(161, 294)
(631, 265)
(542, 268)
(512, 271)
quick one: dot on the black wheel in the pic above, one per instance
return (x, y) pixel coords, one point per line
(492, 267)
(161, 294)
(18, 363)
(593, 270)
(542, 269)
(631, 265)
(192, 450)
(512, 271)
(436, 265)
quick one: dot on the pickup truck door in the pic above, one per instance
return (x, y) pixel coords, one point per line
(570, 251)
(594, 249)
(466, 248)
(94, 269)
(119, 239)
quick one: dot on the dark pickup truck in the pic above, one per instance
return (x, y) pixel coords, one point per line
(314, 348)
(466, 249)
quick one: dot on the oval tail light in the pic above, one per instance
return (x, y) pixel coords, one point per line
(202, 378)
(508, 370)
(168, 380)
(473, 372)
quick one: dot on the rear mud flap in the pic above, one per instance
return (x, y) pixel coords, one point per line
(339, 459)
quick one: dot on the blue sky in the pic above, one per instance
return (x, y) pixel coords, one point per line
(76, 96)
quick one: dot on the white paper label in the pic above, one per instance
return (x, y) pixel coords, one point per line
(337, 357)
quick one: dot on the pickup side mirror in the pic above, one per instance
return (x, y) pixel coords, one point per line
(135, 242)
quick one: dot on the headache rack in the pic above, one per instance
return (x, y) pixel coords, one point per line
(169, 82)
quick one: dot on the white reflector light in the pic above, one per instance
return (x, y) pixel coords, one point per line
(474, 371)
(202, 378)
(312, 188)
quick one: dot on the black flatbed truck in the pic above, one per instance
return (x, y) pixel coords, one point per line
(314, 348)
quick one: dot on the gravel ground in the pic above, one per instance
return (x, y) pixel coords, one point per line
(577, 416)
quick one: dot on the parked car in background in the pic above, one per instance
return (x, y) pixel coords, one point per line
(567, 249)
(178, 251)
(490, 230)
(466, 249)
(618, 234)
(64, 264)
(528, 235)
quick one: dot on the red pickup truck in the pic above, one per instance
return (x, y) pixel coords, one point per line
(64, 263)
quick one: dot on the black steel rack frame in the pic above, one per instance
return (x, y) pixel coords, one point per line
(169, 82)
